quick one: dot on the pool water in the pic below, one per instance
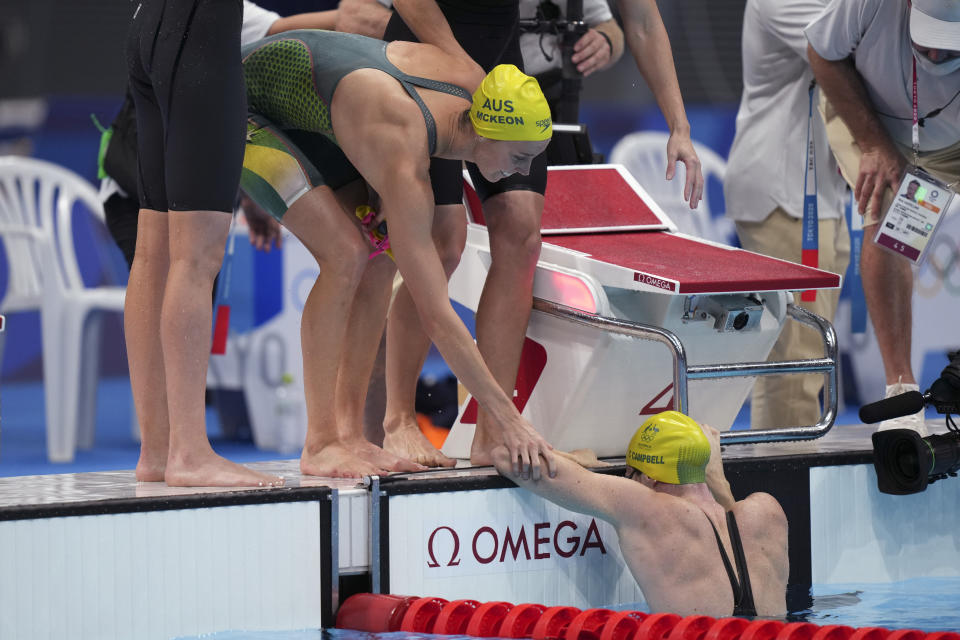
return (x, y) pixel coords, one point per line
(928, 604)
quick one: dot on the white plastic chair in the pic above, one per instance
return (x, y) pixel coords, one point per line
(37, 204)
(644, 154)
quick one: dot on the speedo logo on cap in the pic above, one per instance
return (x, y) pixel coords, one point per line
(643, 457)
(498, 109)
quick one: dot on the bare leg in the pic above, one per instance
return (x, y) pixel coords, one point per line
(326, 229)
(197, 240)
(888, 288)
(513, 220)
(141, 316)
(407, 346)
(367, 318)
(376, 402)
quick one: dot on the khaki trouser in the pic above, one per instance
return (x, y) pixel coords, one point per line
(943, 163)
(793, 400)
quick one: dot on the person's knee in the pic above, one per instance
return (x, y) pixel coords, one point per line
(450, 256)
(345, 265)
(450, 249)
(202, 266)
(151, 255)
(514, 226)
(449, 234)
(197, 241)
(516, 244)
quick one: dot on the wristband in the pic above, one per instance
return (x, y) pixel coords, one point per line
(607, 38)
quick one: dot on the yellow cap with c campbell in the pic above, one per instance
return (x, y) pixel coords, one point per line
(670, 447)
(509, 105)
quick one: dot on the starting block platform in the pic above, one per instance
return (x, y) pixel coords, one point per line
(630, 318)
(627, 311)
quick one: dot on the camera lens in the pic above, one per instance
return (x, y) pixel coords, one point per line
(906, 460)
(902, 460)
(740, 321)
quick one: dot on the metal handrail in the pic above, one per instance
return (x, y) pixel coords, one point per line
(682, 373)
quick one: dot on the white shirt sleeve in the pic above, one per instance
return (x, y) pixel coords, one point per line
(836, 32)
(596, 11)
(256, 22)
(787, 20)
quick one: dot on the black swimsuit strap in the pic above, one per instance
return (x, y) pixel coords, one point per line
(734, 583)
(438, 85)
(409, 82)
(746, 606)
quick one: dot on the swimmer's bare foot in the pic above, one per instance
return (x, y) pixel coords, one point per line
(405, 439)
(385, 459)
(207, 469)
(481, 451)
(151, 466)
(338, 460)
(150, 472)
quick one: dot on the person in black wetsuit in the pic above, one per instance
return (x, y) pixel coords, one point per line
(486, 33)
(676, 519)
(183, 58)
(118, 189)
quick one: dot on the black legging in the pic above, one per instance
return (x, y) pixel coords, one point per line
(183, 57)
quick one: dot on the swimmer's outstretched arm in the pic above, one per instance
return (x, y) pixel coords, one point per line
(394, 160)
(613, 498)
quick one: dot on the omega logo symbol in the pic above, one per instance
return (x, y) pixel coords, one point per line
(488, 545)
(454, 559)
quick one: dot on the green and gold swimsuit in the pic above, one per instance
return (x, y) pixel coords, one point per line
(290, 79)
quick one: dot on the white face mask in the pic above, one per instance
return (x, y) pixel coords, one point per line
(933, 68)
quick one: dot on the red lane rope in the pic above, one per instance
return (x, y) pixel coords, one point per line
(386, 613)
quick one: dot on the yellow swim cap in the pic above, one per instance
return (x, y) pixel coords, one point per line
(509, 105)
(670, 447)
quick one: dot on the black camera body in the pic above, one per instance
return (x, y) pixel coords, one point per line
(570, 143)
(568, 29)
(905, 462)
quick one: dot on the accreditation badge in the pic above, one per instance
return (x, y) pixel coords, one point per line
(915, 214)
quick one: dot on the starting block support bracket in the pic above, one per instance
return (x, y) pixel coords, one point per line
(682, 372)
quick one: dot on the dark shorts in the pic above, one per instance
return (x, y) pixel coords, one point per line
(183, 58)
(491, 37)
(280, 166)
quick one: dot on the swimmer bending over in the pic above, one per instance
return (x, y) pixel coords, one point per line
(681, 533)
(328, 109)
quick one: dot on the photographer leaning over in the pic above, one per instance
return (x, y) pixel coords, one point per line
(870, 58)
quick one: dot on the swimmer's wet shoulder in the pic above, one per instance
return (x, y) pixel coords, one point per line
(674, 532)
(292, 77)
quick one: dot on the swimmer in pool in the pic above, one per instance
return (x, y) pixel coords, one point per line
(683, 536)
(330, 114)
